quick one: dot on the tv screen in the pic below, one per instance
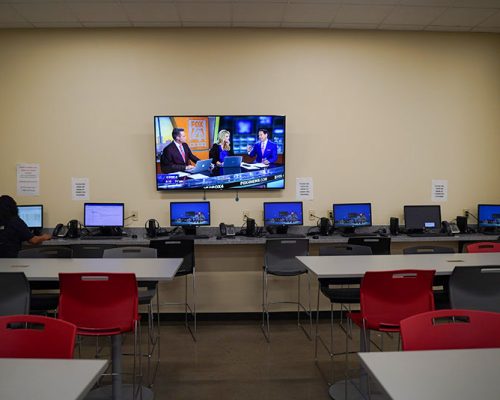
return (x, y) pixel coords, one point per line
(254, 146)
(283, 213)
(420, 218)
(32, 215)
(488, 216)
(352, 215)
(103, 215)
(190, 213)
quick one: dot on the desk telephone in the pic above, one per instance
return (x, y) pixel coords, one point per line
(70, 230)
(450, 228)
(227, 230)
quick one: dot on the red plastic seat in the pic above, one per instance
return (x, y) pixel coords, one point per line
(451, 329)
(484, 247)
(99, 304)
(387, 297)
(33, 336)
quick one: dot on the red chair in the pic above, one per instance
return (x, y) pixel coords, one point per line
(33, 336)
(451, 329)
(484, 247)
(387, 297)
(101, 304)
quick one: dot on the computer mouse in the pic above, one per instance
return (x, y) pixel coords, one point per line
(315, 237)
(134, 236)
(219, 237)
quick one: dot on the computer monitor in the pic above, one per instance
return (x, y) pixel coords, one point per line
(347, 217)
(32, 215)
(108, 217)
(422, 218)
(189, 215)
(488, 216)
(283, 214)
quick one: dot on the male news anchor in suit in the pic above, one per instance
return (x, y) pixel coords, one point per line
(177, 155)
(264, 150)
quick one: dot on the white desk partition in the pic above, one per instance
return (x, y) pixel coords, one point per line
(356, 266)
(47, 269)
(437, 374)
(44, 379)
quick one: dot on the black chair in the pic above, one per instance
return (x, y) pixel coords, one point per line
(476, 288)
(342, 295)
(14, 293)
(146, 293)
(181, 248)
(45, 299)
(279, 260)
(379, 245)
(441, 296)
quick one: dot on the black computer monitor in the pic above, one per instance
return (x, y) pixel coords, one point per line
(488, 216)
(283, 214)
(422, 218)
(347, 217)
(32, 215)
(108, 217)
(189, 215)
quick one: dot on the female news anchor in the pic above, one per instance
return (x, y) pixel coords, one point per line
(13, 230)
(221, 149)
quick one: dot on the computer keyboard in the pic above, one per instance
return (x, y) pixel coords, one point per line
(427, 234)
(358, 234)
(101, 237)
(285, 236)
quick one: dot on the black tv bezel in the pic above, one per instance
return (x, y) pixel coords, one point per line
(191, 202)
(31, 205)
(423, 205)
(218, 189)
(104, 226)
(479, 219)
(335, 226)
(282, 202)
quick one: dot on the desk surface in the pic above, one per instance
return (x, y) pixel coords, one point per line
(437, 374)
(43, 379)
(158, 269)
(356, 266)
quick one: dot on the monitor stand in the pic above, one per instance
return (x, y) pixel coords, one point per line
(189, 230)
(282, 229)
(349, 230)
(109, 231)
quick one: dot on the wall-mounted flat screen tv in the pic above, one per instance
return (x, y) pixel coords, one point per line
(219, 152)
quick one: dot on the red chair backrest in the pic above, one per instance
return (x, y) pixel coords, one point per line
(99, 301)
(387, 297)
(33, 336)
(484, 247)
(451, 329)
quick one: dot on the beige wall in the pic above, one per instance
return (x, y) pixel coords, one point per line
(371, 116)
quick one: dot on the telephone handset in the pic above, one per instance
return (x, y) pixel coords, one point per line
(59, 231)
(70, 230)
(450, 228)
(227, 230)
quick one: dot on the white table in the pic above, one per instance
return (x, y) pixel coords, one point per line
(47, 269)
(437, 374)
(357, 266)
(48, 379)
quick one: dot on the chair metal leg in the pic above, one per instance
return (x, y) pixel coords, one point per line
(265, 306)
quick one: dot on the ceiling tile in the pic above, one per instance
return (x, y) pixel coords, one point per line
(310, 12)
(99, 12)
(463, 17)
(477, 3)
(319, 25)
(493, 21)
(483, 29)
(261, 12)
(423, 3)
(20, 24)
(362, 14)
(163, 24)
(390, 27)
(9, 14)
(212, 12)
(46, 12)
(74, 24)
(353, 26)
(151, 12)
(413, 15)
(246, 24)
(371, 2)
(207, 24)
(106, 24)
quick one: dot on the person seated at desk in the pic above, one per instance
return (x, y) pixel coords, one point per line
(13, 230)
(221, 149)
(177, 156)
(264, 150)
